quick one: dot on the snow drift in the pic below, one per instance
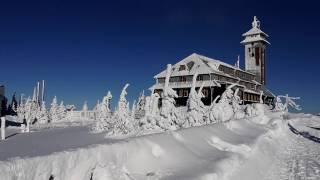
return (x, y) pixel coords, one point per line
(207, 152)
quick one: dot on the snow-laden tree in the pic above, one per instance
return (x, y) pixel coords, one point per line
(133, 110)
(196, 108)
(154, 105)
(30, 114)
(238, 110)
(123, 123)
(21, 110)
(223, 110)
(62, 112)
(168, 112)
(140, 108)
(103, 114)
(54, 110)
(289, 102)
(261, 97)
(31, 111)
(43, 116)
(13, 107)
(148, 121)
(85, 106)
(97, 106)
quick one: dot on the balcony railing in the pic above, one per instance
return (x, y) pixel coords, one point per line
(188, 84)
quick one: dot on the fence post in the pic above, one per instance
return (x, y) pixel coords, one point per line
(3, 128)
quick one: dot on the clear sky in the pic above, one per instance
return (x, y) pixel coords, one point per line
(84, 48)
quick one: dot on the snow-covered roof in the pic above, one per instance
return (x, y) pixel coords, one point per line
(254, 38)
(254, 31)
(200, 64)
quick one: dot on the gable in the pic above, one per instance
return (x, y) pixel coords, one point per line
(188, 66)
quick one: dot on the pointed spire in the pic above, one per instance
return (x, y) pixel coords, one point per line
(256, 23)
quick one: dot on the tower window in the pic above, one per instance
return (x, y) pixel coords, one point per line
(257, 56)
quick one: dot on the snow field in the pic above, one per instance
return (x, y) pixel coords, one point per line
(208, 152)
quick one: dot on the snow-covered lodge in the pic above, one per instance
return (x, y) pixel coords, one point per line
(215, 75)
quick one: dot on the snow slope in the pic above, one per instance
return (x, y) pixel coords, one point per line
(238, 149)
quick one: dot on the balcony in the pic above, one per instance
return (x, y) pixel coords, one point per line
(186, 84)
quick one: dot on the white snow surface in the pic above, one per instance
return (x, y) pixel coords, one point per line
(259, 147)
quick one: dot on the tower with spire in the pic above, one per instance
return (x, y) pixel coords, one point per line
(255, 42)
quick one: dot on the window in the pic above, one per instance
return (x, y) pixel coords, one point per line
(205, 92)
(257, 56)
(161, 80)
(190, 65)
(200, 78)
(185, 93)
(180, 92)
(183, 79)
(158, 91)
(182, 67)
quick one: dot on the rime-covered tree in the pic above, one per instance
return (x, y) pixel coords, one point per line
(28, 113)
(289, 102)
(54, 113)
(223, 110)
(168, 111)
(103, 114)
(85, 106)
(21, 110)
(237, 108)
(62, 112)
(43, 116)
(154, 104)
(195, 106)
(140, 108)
(133, 110)
(13, 107)
(97, 106)
(123, 123)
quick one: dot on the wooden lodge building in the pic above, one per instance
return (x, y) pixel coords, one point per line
(217, 75)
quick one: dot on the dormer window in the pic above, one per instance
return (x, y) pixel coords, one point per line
(190, 65)
(182, 67)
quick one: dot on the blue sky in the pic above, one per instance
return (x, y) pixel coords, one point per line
(84, 48)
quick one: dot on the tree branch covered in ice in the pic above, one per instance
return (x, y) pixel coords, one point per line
(123, 122)
(289, 102)
(103, 114)
(168, 113)
(195, 106)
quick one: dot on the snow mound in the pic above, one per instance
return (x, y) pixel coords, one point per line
(184, 154)
(225, 146)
